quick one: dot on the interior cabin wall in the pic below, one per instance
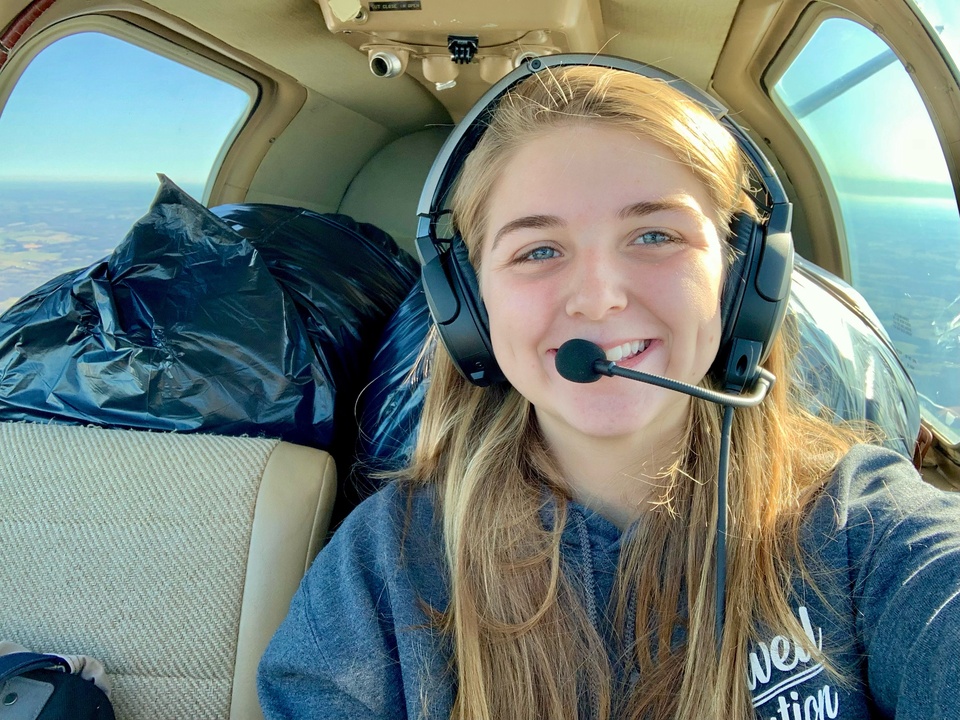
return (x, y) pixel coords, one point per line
(312, 162)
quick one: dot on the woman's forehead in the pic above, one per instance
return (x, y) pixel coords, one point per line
(579, 167)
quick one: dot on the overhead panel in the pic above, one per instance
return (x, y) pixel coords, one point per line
(457, 48)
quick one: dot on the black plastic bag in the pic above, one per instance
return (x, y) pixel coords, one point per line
(392, 401)
(344, 288)
(246, 324)
(393, 398)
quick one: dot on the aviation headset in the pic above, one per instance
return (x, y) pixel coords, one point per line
(755, 293)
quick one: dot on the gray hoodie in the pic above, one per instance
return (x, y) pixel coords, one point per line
(357, 642)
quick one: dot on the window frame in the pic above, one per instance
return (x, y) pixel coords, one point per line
(943, 108)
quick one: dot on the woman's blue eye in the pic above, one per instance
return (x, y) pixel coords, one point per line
(654, 237)
(540, 253)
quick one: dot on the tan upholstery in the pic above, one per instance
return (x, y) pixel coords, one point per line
(387, 189)
(172, 558)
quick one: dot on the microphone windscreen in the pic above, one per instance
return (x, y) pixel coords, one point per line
(575, 360)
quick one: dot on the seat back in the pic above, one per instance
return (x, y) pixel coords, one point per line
(387, 189)
(170, 557)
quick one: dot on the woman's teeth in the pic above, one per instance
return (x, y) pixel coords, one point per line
(627, 350)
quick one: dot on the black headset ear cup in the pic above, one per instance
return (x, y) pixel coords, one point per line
(746, 238)
(461, 318)
(466, 276)
(754, 301)
(742, 236)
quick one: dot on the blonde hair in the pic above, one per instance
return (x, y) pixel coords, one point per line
(524, 646)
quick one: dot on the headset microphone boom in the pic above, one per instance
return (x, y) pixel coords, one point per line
(582, 361)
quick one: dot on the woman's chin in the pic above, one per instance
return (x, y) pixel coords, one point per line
(641, 420)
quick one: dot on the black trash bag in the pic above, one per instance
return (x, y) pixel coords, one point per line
(392, 400)
(345, 279)
(190, 326)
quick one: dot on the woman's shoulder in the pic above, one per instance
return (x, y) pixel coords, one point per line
(875, 480)
(891, 545)
(392, 536)
(358, 638)
(874, 496)
(388, 513)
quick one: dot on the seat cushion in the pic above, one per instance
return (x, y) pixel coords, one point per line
(150, 551)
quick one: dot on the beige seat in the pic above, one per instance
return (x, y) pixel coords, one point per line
(387, 189)
(170, 557)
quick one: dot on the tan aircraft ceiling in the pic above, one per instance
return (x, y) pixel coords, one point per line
(292, 36)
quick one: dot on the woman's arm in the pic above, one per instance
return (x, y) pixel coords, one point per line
(356, 642)
(904, 542)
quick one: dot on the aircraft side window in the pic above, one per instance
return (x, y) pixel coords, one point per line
(865, 122)
(90, 122)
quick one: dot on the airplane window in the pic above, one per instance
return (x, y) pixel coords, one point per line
(864, 119)
(89, 124)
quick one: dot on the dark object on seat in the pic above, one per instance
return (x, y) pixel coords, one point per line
(345, 279)
(42, 687)
(392, 401)
(252, 323)
(847, 369)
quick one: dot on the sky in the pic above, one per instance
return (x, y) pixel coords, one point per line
(92, 107)
(945, 14)
(854, 132)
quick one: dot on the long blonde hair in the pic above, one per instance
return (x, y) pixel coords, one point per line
(524, 645)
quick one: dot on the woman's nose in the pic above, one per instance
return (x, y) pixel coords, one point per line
(597, 286)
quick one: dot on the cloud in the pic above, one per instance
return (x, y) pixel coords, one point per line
(35, 234)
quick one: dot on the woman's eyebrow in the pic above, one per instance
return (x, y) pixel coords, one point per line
(535, 222)
(649, 207)
(645, 207)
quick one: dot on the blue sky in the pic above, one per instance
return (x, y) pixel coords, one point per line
(853, 131)
(92, 107)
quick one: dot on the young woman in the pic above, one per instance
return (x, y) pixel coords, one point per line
(549, 552)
